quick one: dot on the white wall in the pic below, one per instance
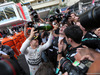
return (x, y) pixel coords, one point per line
(71, 2)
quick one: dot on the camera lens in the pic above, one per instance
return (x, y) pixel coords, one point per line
(90, 19)
(30, 24)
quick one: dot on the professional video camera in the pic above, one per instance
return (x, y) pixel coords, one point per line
(79, 68)
(34, 14)
(91, 19)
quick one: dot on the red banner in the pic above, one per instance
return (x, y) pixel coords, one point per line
(19, 4)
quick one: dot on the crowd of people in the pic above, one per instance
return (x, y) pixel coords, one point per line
(69, 48)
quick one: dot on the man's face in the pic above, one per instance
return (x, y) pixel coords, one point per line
(35, 42)
(73, 16)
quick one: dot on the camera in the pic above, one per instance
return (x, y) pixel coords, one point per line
(57, 11)
(52, 18)
(30, 8)
(80, 69)
(30, 24)
(58, 15)
(91, 18)
(35, 15)
(65, 18)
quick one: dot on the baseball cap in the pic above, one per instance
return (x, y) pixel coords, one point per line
(35, 37)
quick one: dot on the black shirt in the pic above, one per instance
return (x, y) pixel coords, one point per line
(71, 53)
(91, 40)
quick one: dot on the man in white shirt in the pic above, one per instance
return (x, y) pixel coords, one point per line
(33, 52)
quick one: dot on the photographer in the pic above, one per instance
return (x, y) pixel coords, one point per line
(33, 52)
(73, 36)
(90, 20)
(90, 37)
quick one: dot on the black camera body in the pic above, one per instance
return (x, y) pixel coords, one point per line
(65, 18)
(30, 24)
(35, 15)
(58, 15)
(52, 18)
(81, 69)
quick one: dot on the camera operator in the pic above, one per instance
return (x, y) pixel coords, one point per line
(33, 52)
(90, 20)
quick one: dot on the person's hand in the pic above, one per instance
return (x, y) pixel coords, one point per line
(32, 33)
(66, 73)
(60, 45)
(26, 25)
(59, 64)
(67, 10)
(87, 57)
(55, 27)
(39, 16)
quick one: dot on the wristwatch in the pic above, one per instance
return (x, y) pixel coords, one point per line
(59, 52)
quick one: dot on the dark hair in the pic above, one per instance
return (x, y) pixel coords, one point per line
(45, 69)
(74, 32)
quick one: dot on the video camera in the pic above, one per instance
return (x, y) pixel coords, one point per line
(80, 69)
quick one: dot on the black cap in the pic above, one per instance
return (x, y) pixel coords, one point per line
(35, 37)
